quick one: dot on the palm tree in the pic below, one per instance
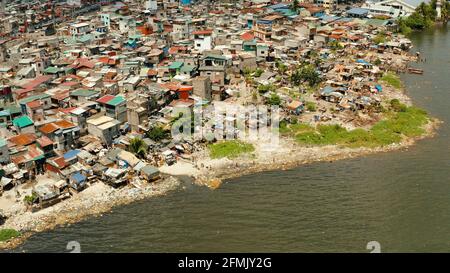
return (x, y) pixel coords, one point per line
(295, 5)
(138, 147)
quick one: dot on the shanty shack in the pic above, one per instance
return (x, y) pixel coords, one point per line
(46, 195)
(150, 173)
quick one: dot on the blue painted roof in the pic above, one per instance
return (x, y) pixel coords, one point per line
(78, 177)
(329, 18)
(327, 90)
(358, 11)
(278, 6)
(361, 61)
(71, 153)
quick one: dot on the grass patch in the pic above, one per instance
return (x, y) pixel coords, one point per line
(6, 234)
(310, 106)
(230, 149)
(293, 129)
(408, 122)
(392, 79)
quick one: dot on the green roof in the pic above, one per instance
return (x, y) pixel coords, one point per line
(376, 22)
(51, 70)
(22, 121)
(39, 157)
(13, 109)
(33, 98)
(135, 37)
(116, 101)
(176, 65)
(83, 93)
(188, 68)
(249, 43)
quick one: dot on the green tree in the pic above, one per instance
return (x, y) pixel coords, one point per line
(266, 88)
(274, 99)
(335, 45)
(138, 147)
(258, 72)
(307, 73)
(157, 133)
(295, 5)
(281, 66)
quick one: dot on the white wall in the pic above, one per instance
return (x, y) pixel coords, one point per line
(203, 44)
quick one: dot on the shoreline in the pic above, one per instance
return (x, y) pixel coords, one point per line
(300, 156)
(93, 203)
(86, 204)
(100, 198)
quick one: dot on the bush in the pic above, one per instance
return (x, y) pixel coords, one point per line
(274, 99)
(258, 72)
(407, 122)
(266, 88)
(30, 199)
(7, 234)
(310, 106)
(157, 133)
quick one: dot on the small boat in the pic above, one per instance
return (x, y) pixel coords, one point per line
(415, 70)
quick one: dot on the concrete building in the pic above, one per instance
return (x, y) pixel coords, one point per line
(79, 29)
(114, 106)
(203, 40)
(202, 87)
(393, 8)
(137, 112)
(63, 133)
(24, 124)
(104, 127)
(4, 152)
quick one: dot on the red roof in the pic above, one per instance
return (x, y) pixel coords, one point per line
(64, 124)
(61, 95)
(34, 104)
(170, 85)
(185, 88)
(59, 161)
(104, 59)
(248, 36)
(23, 139)
(152, 72)
(203, 32)
(83, 62)
(69, 83)
(44, 141)
(105, 99)
(48, 128)
(36, 82)
(66, 110)
(33, 151)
